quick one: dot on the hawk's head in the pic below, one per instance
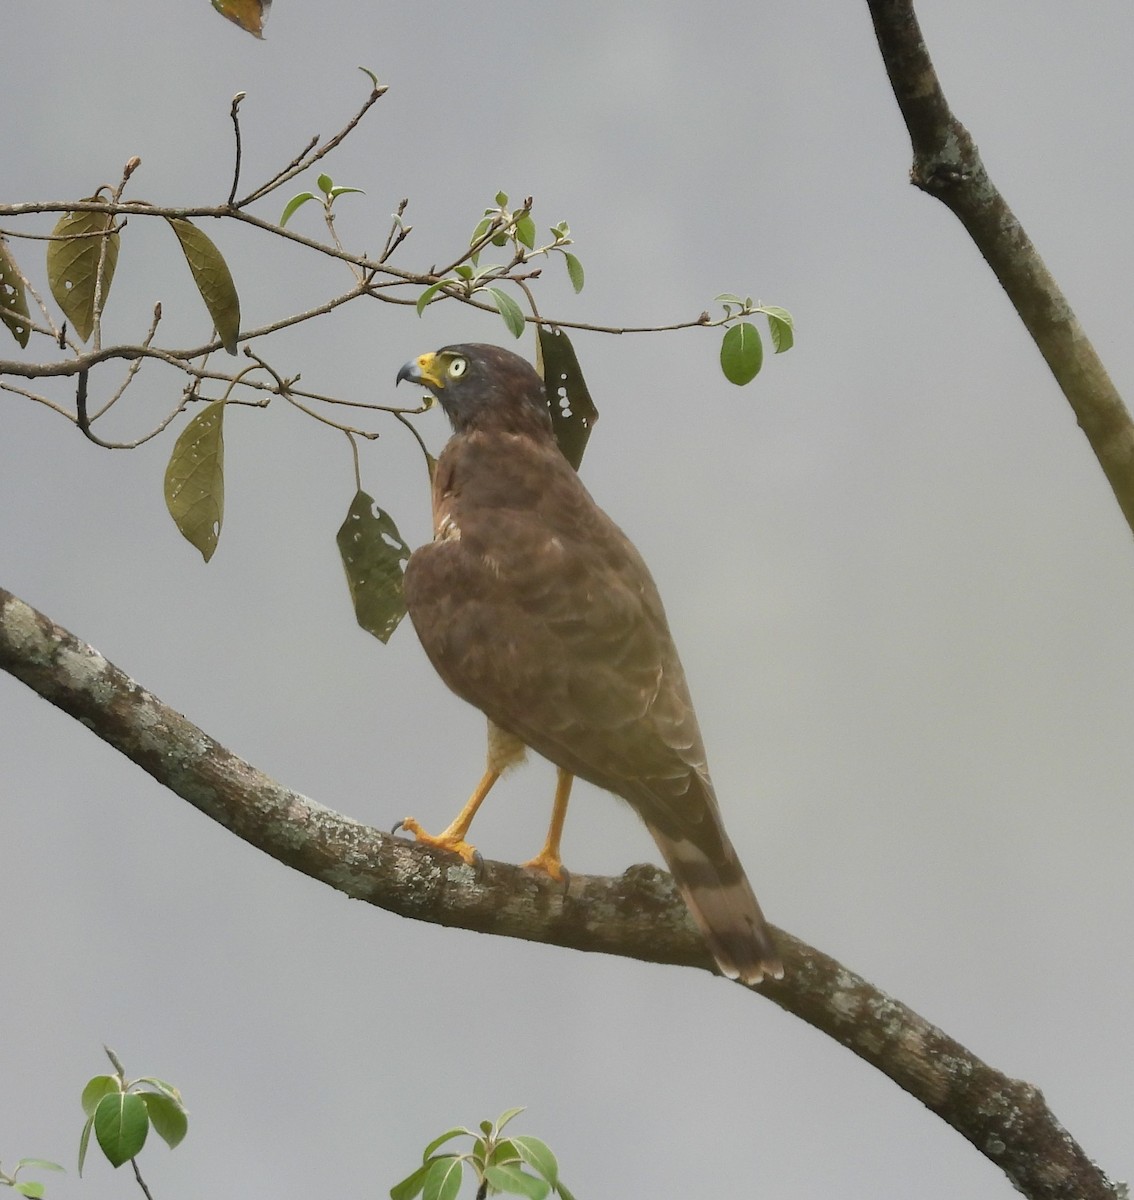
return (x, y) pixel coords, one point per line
(483, 387)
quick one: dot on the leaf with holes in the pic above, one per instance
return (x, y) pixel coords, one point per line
(213, 280)
(120, 1126)
(742, 354)
(194, 480)
(13, 298)
(508, 309)
(573, 412)
(374, 557)
(72, 264)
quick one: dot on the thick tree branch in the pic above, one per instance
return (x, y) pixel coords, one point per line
(637, 915)
(947, 164)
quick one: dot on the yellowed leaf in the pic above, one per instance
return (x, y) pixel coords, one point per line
(194, 479)
(250, 15)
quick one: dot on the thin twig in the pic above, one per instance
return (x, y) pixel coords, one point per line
(19, 391)
(234, 113)
(141, 1181)
(134, 366)
(398, 231)
(310, 156)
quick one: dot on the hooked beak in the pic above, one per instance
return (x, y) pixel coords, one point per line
(425, 369)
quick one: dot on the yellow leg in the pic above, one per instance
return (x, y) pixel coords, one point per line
(453, 838)
(548, 859)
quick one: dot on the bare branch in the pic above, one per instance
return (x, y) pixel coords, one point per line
(637, 915)
(234, 112)
(947, 164)
(308, 158)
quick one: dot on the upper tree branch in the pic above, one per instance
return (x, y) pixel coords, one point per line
(946, 164)
(638, 915)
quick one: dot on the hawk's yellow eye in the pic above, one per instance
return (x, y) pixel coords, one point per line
(457, 368)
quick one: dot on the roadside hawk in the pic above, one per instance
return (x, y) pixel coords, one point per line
(534, 607)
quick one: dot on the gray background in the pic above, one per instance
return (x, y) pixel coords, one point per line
(903, 593)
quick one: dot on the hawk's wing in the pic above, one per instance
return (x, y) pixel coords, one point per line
(536, 608)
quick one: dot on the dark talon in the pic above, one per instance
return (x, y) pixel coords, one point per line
(398, 826)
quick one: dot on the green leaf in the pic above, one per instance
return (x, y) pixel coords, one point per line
(517, 1182)
(73, 264)
(374, 556)
(194, 479)
(573, 413)
(501, 198)
(480, 231)
(213, 280)
(99, 1086)
(120, 1125)
(84, 1140)
(411, 1185)
(729, 298)
(324, 183)
(169, 1119)
(561, 1188)
(39, 1164)
(742, 354)
(486, 1128)
(781, 326)
(293, 204)
(13, 297)
(526, 232)
(448, 1135)
(165, 1088)
(574, 270)
(31, 1189)
(464, 271)
(425, 297)
(443, 1179)
(368, 72)
(507, 1115)
(342, 191)
(537, 1154)
(508, 309)
(503, 1152)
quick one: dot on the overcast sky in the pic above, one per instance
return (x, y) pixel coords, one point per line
(901, 588)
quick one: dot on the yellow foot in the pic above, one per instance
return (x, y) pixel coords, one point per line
(550, 864)
(454, 843)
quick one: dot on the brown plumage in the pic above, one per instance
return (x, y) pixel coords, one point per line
(536, 608)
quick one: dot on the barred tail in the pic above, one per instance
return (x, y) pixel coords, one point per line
(721, 900)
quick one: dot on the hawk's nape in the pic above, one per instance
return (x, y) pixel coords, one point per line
(536, 608)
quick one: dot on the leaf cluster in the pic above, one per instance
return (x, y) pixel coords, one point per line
(502, 227)
(519, 1165)
(120, 1113)
(742, 351)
